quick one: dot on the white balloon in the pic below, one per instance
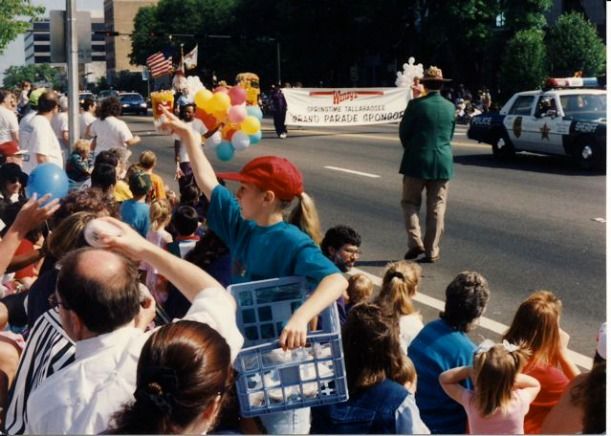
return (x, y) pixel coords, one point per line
(240, 141)
(214, 140)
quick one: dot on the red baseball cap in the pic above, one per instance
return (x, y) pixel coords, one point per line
(270, 173)
(11, 148)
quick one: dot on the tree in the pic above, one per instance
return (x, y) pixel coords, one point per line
(574, 45)
(525, 14)
(43, 74)
(15, 16)
(524, 65)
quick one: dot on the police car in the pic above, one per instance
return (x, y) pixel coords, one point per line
(568, 118)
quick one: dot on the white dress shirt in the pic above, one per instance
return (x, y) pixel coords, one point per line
(81, 398)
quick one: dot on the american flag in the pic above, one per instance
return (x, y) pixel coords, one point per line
(159, 65)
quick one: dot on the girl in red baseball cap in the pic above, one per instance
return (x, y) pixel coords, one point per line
(262, 244)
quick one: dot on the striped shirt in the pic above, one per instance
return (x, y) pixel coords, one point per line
(48, 349)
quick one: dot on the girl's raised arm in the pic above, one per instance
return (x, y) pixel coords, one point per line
(202, 170)
(450, 381)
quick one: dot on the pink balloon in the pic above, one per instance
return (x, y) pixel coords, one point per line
(237, 113)
(222, 89)
(237, 94)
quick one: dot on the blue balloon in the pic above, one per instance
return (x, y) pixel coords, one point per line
(45, 179)
(225, 151)
(256, 138)
(254, 111)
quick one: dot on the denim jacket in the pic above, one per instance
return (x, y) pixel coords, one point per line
(367, 411)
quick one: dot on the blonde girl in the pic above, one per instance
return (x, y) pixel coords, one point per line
(501, 395)
(160, 214)
(262, 244)
(536, 324)
(399, 286)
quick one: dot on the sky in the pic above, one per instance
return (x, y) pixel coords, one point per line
(14, 53)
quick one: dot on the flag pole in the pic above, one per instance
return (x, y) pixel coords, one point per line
(182, 58)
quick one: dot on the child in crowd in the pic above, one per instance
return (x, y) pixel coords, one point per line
(399, 285)
(536, 324)
(360, 289)
(121, 192)
(377, 371)
(160, 214)
(148, 162)
(77, 166)
(185, 223)
(135, 211)
(501, 395)
(254, 224)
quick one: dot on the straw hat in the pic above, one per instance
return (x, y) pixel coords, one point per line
(433, 74)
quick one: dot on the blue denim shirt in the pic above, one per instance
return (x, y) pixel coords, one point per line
(368, 411)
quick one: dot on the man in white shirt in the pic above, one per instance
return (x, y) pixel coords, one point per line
(60, 126)
(98, 299)
(87, 116)
(109, 131)
(40, 140)
(9, 126)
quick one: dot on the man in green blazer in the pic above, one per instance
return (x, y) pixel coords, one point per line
(426, 130)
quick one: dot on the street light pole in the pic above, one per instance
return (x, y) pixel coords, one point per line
(73, 82)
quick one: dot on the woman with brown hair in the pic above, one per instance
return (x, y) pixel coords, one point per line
(536, 325)
(377, 370)
(184, 371)
(399, 286)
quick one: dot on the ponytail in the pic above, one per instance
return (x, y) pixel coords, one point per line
(305, 216)
(399, 286)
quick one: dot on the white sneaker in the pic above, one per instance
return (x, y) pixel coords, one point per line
(283, 135)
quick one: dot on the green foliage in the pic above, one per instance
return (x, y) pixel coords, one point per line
(14, 19)
(573, 45)
(43, 74)
(524, 65)
(526, 14)
(130, 81)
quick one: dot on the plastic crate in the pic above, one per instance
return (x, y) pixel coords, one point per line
(271, 380)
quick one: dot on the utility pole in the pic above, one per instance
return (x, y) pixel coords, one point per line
(73, 82)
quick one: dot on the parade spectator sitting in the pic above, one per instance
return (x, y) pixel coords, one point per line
(444, 344)
(360, 289)
(86, 117)
(40, 140)
(11, 153)
(595, 401)
(135, 211)
(84, 200)
(77, 166)
(536, 324)
(102, 309)
(376, 371)
(399, 285)
(342, 244)
(108, 131)
(185, 223)
(184, 374)
(148, 162)
(9, 126)
(122, 191)
(500, 396)
(568, 415)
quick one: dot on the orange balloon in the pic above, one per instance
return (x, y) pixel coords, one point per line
(221, 116)
(209, 120)
(228, 131)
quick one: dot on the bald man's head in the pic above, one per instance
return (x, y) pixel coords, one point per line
(101, 287)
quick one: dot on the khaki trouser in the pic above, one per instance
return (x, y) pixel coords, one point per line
(436, 197)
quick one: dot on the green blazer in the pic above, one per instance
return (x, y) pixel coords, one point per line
(426, 130)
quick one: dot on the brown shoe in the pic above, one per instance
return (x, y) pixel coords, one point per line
(429, 259)
(413, 253)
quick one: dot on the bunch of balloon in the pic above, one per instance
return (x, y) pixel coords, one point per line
(237, 125)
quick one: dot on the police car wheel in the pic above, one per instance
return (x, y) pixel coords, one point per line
(584, 154)
(502, 148)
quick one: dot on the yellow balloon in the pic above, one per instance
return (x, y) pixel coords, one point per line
(201, 97)
(208, 106)
(250, 125)
(220, 102)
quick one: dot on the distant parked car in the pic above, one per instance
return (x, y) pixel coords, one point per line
(107, 93)
(85, 94)
(132, 102)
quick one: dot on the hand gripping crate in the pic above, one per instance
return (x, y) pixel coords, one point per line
(271, 380)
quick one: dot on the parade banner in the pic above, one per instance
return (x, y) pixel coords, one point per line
(344, 106)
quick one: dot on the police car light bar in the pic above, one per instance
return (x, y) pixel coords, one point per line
(572, 82)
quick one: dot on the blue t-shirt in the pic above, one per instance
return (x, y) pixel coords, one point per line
(434, 350)
(136, 214)
(260, 253)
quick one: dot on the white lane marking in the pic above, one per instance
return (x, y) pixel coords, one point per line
(599, 220)
(358, 173)
(487, 323)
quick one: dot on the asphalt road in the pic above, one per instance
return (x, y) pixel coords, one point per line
(528, 225)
